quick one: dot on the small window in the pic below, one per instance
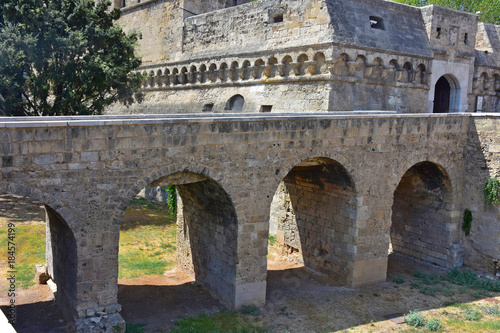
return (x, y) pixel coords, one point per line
(124, 3)
(466, 38)
(266, 108)
(235, 103)
(479, 103)
(278, 18)
(208, 107)
(438, 32)
(376, 23)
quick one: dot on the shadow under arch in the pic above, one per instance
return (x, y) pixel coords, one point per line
(421, 215)
(207, 232)
(61, 251)
(313, 213)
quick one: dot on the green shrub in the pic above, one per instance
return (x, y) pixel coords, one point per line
(250, 310)
(415, 318)
(491, 191)
(434, 324)
(398, 280)
(467, 222)
(472, 314)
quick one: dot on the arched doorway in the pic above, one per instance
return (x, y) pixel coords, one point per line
(446, 94)
(442, 96)
(235, 103)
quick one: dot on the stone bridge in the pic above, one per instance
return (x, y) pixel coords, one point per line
(342, 189)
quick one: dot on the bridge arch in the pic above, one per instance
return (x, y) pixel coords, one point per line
(312, 213)
(422, 218)
(207, 226)
(61, 246)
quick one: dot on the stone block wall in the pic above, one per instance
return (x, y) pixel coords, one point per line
(482, 163)
(421, 215)
(313, 214)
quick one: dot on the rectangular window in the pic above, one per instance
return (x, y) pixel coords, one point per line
(466, 38)
(438, 32)
(208, 107)
(266, 108)
(278, 18)
(376, 23)
(479, 103)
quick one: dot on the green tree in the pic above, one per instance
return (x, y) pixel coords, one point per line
(64, 57)
(490, 9)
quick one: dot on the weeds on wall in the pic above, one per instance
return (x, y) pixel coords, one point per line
(467, 222)
(491, 191)
(172, 200)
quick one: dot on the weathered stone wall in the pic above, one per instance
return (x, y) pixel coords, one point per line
(314, 213)
(421, 215)
(89, 170)
(482, 163)
(160, 24)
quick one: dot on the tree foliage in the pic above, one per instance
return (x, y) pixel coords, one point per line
(490, 9)
(64, 57)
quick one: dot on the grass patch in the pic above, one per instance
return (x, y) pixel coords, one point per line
(217, 323)
(468, 278)
(135, 328)
(147, 240)
(29, 251)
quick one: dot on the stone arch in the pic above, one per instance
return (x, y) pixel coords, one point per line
(421, 215)
(212, 73)
(61, 246)
(145, 78)
(151, 79)
(159, 78)
(271, 68)
(175, 76)
(340, 65)
(410, 74)
(235, 103)
(496, 82)
(287, 66)
(203, 73)
(193, 74)
(235, 76)
(183, 75)
(302, 64)
(394, 63)
(246, 70)
(223, 72)
(485, 80)
(258, 69)
(167, 74)
(320, 63)
(207, 226)
(446, 94)
(360, 65)
(421, 74)
(313, 208)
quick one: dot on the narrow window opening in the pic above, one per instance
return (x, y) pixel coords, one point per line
(266, 108)
(376, 23)
(124, 3)
(479, 103)
(278, 18)
(466, 38)
(438, 32)
(208, 107)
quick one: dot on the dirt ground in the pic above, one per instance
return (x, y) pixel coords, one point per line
(297, 299)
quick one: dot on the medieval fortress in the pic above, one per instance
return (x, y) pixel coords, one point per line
(347, 128)
(313, 56)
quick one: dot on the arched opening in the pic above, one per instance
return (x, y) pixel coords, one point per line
(204, 244)
(446, 95)
(442, 96)
(235, 103)
(421, 214)
(38, 235)
(312, 215)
